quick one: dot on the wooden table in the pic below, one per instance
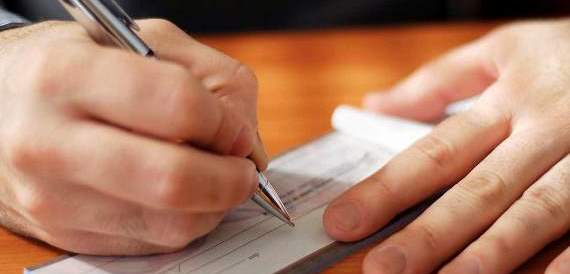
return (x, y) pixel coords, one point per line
(303, 76)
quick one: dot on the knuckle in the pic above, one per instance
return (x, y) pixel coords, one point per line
(427, 235)
(484, 188)
(39, 76)
(476, 119)
(496, 244)
(384, 186)
(37, 206)
(506, 36)
(527, 220)
(172, 188)
(27, 156)
(548, 201)
(46, 69)
(245, 77)
(479, 117)
(436, 149)
(160, 25)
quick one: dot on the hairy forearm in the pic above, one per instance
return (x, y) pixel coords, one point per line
(26, 30)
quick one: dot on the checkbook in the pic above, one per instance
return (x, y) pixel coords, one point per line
(307, 178)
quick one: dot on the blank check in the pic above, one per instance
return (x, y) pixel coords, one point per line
(307, 178)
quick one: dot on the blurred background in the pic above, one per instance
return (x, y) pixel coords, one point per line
(215, 16)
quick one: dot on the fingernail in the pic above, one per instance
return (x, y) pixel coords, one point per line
(564, 267)
(467, 266)
(259, 155)
(346, 216)
(388, 260)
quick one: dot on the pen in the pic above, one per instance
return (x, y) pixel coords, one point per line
(106, 19)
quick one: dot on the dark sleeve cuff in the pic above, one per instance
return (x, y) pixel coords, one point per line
(9, 20)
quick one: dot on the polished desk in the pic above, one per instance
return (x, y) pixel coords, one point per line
(303, 76)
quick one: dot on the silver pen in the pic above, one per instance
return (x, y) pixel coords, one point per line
(105, 19)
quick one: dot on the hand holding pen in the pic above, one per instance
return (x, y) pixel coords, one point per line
(89, 154)
(105, 19)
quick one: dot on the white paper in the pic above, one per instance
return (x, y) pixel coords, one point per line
(392, 132)
(307, 178)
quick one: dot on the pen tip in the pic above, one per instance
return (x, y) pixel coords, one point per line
(290, 223)
(268, 198)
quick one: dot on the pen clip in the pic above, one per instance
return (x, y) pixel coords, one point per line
(110, 5)
(121, 14)
(105, 19)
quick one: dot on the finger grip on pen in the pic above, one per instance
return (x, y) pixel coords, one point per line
(259, 155)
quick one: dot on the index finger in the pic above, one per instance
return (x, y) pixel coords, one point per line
(228, 79)
(434, 162)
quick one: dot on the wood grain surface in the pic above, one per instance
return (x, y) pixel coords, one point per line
(302, 77)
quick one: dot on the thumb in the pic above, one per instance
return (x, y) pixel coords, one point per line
(425, 94)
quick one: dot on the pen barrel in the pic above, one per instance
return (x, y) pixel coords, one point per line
(106, 21)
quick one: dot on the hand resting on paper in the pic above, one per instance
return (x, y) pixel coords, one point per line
(506, 159)
(91, 159)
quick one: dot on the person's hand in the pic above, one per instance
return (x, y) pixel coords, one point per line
(106, 152)
(506, 159)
